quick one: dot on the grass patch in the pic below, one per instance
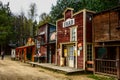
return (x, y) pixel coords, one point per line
(100, 77)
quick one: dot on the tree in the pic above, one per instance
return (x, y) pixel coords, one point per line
(32, 15)
(95, 5)
(5, 24)
(32, 11)
(44, 18)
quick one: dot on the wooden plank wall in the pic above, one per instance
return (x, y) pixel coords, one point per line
(105, 26)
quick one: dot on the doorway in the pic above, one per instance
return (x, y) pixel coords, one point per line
(69, 55)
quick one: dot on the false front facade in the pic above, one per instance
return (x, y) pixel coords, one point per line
(74, 39)
(47, 40)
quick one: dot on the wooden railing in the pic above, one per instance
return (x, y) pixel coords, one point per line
(106, 66)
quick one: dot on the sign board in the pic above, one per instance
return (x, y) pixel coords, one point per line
(53, 36)
(68, 22)
(13, 53)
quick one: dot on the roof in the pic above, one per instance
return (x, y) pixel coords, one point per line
(46, 24)
(67, 10)
(116, 8)
(24, 46)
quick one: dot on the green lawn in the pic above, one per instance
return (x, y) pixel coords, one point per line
(99, 77)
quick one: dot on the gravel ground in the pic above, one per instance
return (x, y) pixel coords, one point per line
(16, 70)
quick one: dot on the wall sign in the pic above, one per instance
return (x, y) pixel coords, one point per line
(68, 22)
(53, 36)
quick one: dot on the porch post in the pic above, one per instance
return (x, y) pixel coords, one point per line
(33, 53)
(24, 54)
(94, 63)
(118, 62)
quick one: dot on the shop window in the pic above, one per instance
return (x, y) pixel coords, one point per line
(42, 40)
(89, 52)
(73, 33)
(89, 57)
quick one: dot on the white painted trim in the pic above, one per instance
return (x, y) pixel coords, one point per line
(76, 55)
(56, 44)
(84, 37)
(68, 43)
(60, 53)
(71, 28)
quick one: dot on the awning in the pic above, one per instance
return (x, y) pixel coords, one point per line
(42, 33)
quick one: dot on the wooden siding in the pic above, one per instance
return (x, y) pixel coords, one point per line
(63, 34)
(46, 43)
(105, 26)
(79, 23)
(62, 38)
(43, 29)
(68, 14)
(43, 50)
(89, 27)
(106, 34)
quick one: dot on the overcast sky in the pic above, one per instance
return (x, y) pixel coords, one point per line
(17, 6)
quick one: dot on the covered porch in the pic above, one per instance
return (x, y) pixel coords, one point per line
(25, 53)
(107, 58)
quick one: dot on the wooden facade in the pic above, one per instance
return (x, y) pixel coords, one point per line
(46, 37)
(106, 37)
(74, 39)
(27, 52)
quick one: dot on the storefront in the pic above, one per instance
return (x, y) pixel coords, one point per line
(47, 38)
(74, 39)
(106, 29)
(69, 54)
(27, 52)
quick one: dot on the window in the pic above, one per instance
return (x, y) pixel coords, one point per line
(52, 30)
(89, 56)
(42, 40)
(89, 52)
(73, 35)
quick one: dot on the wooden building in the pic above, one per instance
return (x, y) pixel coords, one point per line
(106, 37)
(27, 52)
(74, 39)
(47, 38)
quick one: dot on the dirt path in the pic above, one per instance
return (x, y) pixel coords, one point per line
(15, 70)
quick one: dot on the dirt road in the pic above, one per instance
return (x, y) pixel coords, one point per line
(15, 70)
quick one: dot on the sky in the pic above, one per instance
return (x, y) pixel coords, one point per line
(16, 6)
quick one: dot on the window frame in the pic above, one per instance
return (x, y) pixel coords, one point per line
(73, 34)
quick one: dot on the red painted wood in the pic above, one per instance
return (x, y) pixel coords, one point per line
(62, 37)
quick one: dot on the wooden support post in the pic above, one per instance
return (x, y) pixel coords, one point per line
(25, 54)
(33, 53)
(118, 62)
(94, 62)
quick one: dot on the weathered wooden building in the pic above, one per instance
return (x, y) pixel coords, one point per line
(74, 39)
(47, 38)
(106, 37)
(27, 52)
